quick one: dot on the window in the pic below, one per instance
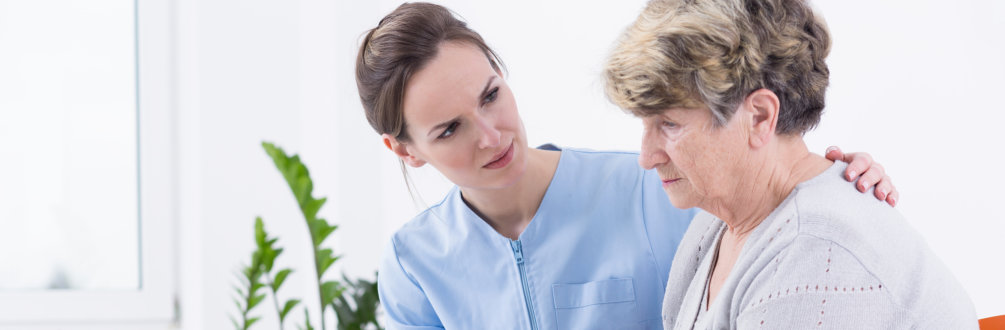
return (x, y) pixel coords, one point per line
(87, 172)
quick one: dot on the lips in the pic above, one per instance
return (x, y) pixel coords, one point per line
(668, 182)
(501, 159)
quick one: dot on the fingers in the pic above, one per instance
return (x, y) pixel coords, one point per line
(834, 153)
(870, 178)
(893, 197)
(874, 174)
(858, 163)
(883, 188)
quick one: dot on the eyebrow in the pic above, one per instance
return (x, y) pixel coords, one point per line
(485, 92)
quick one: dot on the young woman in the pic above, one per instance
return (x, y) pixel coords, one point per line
(529, 238)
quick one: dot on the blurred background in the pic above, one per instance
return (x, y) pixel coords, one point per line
(132, 170)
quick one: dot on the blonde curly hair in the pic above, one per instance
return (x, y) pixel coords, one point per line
(713, 53)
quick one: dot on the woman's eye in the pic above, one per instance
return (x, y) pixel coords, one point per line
(449, 131)
(668, 124)
(491, 96)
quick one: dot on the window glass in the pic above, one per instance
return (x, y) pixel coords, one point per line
(68, 145)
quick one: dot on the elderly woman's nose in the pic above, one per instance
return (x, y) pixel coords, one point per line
(650, 160)
(652, 154)
(489, 136)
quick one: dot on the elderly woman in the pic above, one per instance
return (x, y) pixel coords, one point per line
(726, 90)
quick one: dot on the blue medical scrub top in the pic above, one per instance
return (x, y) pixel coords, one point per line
(595, 256)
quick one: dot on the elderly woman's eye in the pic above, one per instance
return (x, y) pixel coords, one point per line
(668, 124)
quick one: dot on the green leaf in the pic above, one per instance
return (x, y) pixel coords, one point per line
(280, 278)
(241, 278)
(298, 179)
(277, 154)
(255, 287)
(324, 229)
(357, 307)
(291, 168)
(237, 302)
(302, 190)
(343, 311)
(316, 227)
(324, 254)
(259, 232)
(268, 258)
(330, 290)
(256, 262)
(325, 261)
(312, 207)
(287, 308)
(237, 325)
(255, 300)
(251, 321)
(307, 320)
(294, 172)
(275, 254)
(239, 291)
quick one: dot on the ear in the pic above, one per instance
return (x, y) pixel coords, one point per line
(763, 106)
(401, 150)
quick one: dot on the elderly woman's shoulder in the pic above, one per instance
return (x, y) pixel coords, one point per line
(832, 207)
(847, 242)
(829, 208)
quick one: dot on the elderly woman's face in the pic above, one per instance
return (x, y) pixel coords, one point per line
(695, 159)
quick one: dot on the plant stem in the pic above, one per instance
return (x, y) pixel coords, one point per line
(321, 302)
(252, 280)
(275, 299)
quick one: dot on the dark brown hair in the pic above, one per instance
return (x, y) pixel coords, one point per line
(401, 44)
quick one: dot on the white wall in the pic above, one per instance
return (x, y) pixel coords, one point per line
(915, 83)
(918, 84)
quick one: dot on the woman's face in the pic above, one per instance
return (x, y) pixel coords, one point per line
(696, 160)
(462, 119)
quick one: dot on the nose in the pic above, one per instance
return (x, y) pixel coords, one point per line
(652, 154)
(489, 136)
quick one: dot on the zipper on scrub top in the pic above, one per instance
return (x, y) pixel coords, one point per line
(518, 253)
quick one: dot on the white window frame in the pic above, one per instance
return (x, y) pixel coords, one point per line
(152, 306)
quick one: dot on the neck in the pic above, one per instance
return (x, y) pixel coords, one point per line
(765, 179)
(509, 210)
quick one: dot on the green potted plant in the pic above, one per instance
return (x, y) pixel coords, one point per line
(354, 302)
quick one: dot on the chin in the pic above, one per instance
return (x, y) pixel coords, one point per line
(679, 201)
(515, 172)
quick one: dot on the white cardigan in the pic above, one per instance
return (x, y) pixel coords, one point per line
(828, 257)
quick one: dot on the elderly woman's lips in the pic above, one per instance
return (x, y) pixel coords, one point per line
(669, 182)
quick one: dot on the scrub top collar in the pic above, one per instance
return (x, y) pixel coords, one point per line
(528, 233)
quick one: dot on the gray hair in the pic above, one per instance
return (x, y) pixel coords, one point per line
(713, 53)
